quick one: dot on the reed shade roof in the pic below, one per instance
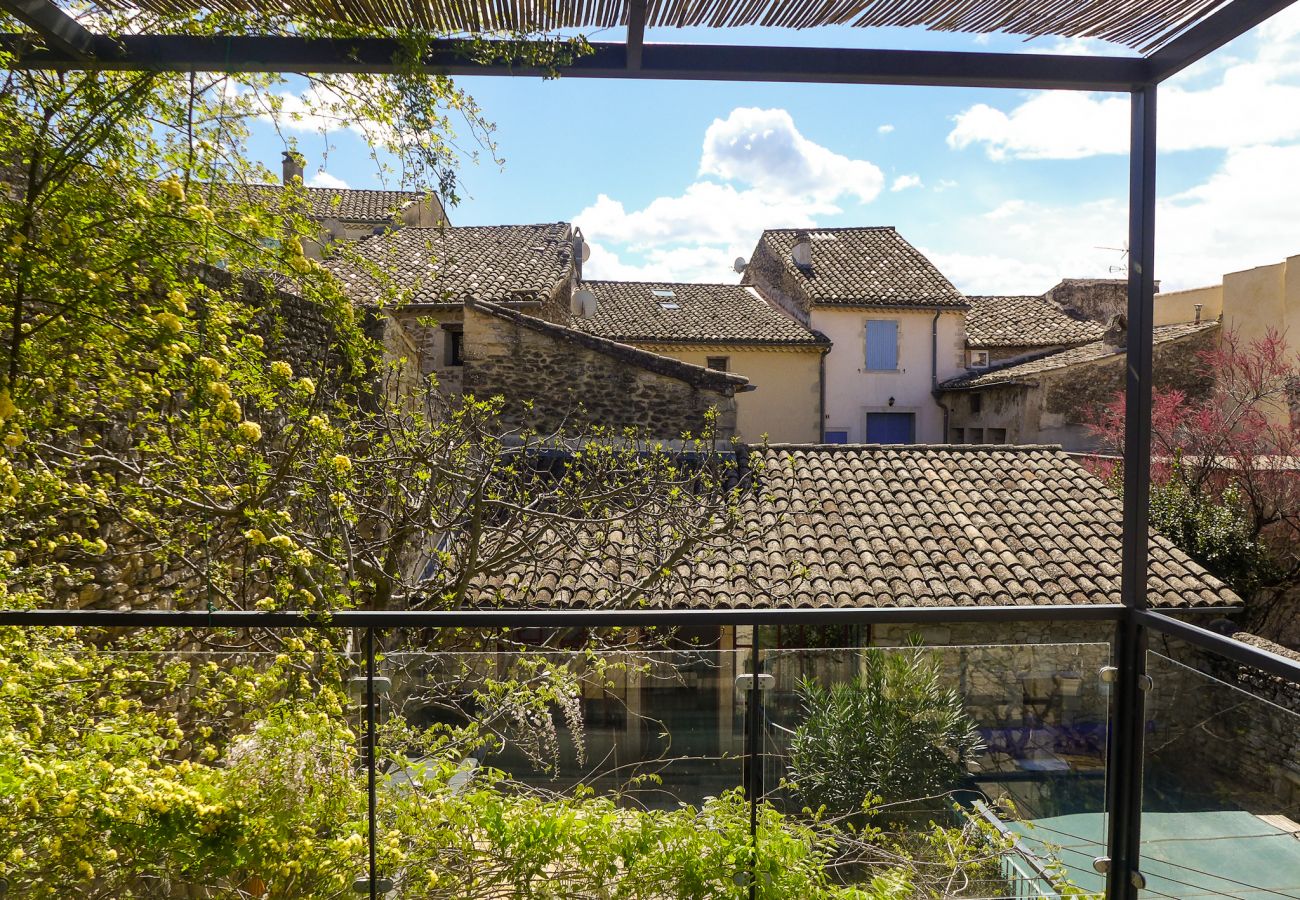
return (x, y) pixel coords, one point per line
(1144, 25)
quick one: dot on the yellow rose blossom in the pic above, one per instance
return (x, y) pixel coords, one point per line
(7, 407)
(170, 321)
(282, 542)
(255, 536)
(174, 189)
(281, 369)
(14, 439)
(306, 385)
(249, 431)
(341, 463)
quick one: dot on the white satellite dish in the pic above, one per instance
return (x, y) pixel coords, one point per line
(583, 304)
(581, 249)
(739, 265)
(801, 253)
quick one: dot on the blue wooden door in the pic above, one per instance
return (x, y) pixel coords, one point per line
(891, 428)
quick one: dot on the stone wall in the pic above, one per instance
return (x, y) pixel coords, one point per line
(1231, 730)
(571, 377)
(1098, 299)
(768, 273)
(1075, 393)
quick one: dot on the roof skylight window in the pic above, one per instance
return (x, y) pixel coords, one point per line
(663, 292)
(664, 304)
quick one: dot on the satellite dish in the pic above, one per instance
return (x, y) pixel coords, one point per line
(581, 249)
(801, 253)
(739, 265)
(583, 304)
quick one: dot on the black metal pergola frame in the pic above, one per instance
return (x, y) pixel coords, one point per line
(61, 43)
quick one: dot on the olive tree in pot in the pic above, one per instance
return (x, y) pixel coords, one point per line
(891, 742)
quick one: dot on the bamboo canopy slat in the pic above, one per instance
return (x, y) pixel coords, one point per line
(1143, 25)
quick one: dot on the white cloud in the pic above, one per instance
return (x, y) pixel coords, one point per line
(324, 179)
(1242, 216)
(1248, 103)
(885, 129)
(768, 176)
(944, 184)
(764, 148)
(903, 182)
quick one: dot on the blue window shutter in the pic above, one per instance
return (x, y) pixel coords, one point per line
(882, 344)
(837, 437)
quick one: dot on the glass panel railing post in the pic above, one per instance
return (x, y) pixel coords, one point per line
(753, 752)
(371, 781)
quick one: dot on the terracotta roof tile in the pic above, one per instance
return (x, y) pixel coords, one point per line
(860, 526)
(704, 314)
(864, 267)
(1025, 321)
(345, 204)
(1027, 370)
(497, 263)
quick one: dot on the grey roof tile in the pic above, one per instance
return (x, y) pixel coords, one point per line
(357, 205)
(705, 314)
(864, 526)
(1026, 371)
(864, 267)
(497, 263)
(1025, 321)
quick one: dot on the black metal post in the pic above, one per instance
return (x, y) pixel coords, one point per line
(1124, 786)
(754, 749)
(370, 758)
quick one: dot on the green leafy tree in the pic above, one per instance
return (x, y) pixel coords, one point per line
(894, 736)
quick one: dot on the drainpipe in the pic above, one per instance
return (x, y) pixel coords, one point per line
(934, 373)
(821, 396)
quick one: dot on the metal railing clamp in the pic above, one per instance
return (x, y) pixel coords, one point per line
(382, 885)
(765, 682)
(1109, 674)
(1101, 865)
(1139, 880)
(357, 687)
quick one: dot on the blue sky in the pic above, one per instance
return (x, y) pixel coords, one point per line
(1007, 191)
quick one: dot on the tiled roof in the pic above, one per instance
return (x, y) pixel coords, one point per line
(446, 265)
(699, 376)
(1025, 321)
(864, 267)
(689, 314)
(1060, 359)
(344, 204)
(873, 526)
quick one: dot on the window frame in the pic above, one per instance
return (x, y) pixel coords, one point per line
(709, 362)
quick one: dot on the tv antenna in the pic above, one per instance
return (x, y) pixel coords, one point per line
(1123, 254)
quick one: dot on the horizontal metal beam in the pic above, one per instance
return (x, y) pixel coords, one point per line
(1229, 22)
(559, 618)
(59, 30)
(1222, 645)
(673, 62)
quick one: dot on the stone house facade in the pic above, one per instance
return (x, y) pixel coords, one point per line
(553, 376)
(1051, 397)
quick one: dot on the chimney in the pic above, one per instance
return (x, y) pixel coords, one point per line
(1116, 335)
(294, 163)
(1198, 312)
(801, 253)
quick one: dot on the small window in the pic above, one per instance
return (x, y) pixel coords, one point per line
(976, 402)
(882, 345)
(717, 362)
(956, 436)
(455, 348)
(660, 292)
(665, 305)
(838, 436)
(974, 435)
(979, 359)
(995, 435)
